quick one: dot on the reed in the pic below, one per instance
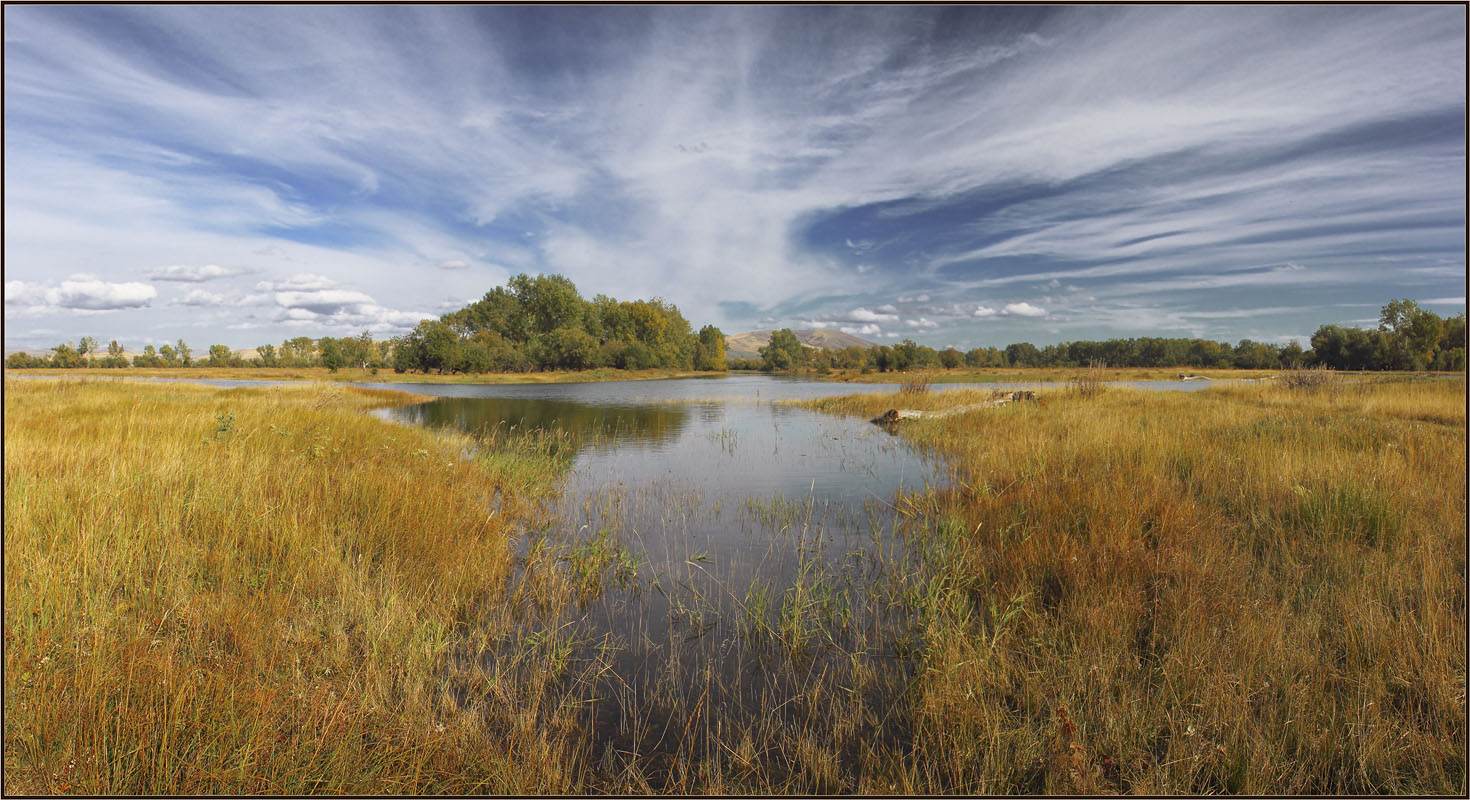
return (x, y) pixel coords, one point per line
(916, 383)
(1245, 589)
(257, 590)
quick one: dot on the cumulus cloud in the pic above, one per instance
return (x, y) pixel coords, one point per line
(860, 330)
(307, 299)
(1023, 310)
(183, 272)
(453, 263)
(921, 322)
(82, 293)
(869, 315)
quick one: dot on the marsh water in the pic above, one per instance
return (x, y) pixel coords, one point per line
(731, 552)
(728, 549)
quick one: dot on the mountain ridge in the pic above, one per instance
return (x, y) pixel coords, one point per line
(748, 344)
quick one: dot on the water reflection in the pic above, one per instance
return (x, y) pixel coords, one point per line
(585, 423)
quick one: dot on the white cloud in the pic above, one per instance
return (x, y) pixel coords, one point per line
(307, 299)
(1024, 310)
(921, 322)
(82, 293)
(868, 315)
(181, 272)
(860, 330)
(707, 200)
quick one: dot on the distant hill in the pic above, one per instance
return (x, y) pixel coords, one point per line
(748, 344)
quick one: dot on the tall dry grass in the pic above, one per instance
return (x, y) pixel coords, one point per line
(1245, 589)
(258, 590)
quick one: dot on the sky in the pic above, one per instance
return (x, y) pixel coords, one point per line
(963, 176)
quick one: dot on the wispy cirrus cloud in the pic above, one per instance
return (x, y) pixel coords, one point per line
(796, 163)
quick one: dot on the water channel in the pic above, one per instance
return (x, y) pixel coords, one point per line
(741, 556)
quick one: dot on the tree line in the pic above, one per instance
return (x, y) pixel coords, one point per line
(542, 323)
(301, 351)
(1407, 338)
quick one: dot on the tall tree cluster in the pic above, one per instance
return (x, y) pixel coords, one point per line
(537, 323)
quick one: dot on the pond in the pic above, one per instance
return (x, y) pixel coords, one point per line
(733, 550)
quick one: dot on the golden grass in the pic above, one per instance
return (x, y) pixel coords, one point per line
(356, 375)
(255, 590)
(1246, 589)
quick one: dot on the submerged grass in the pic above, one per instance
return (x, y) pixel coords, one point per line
(1248, 589)
(257, 590)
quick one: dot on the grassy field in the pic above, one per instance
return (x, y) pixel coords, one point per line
(1251, 589)
(261, 590)
(1248, 589)
(319, 374)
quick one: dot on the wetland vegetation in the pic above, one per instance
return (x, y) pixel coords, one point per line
(681, 587)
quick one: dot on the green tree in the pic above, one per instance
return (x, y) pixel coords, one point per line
(1023, 354)
(883, 358)
(169, 355)
(1255, 355)
(23, 361)
(783, 353)
(365, 350)
(568, 348)
(1451, 351)
(1330, 347)
(148, 358)
(1415, 334)
(299, 351)
(549, 302)
(710, 349)
(67, 357)
(1292, 356)
(219, 355)
(185, 354)
(266, 355)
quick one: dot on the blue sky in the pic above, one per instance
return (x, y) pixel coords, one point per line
(965, 176)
